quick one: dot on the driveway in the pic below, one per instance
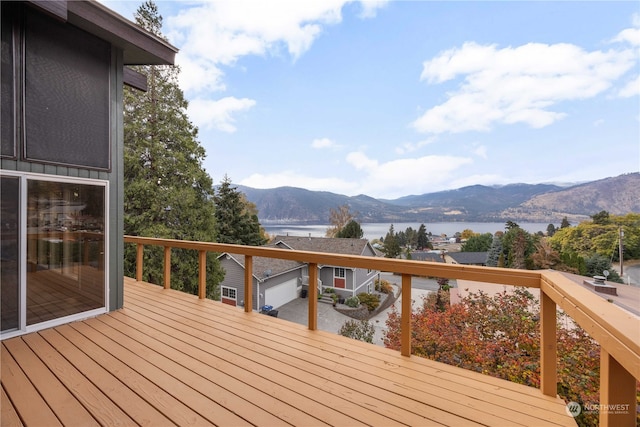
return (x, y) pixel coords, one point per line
(331, 320)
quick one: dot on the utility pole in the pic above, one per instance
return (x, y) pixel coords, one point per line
(620, 252)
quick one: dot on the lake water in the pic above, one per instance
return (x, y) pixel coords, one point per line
(377, 230)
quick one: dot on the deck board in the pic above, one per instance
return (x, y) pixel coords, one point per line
(168, 358)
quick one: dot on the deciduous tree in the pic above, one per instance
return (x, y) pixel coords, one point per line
(477, 243)
(339, 218)
(500, 336)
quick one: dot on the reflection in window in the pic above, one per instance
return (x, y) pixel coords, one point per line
(65, 249)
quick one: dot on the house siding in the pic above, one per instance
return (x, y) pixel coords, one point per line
(115, 255)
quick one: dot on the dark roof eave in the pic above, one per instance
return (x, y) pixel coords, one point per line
(140, 46)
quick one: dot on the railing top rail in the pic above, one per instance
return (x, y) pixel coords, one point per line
(616, 330)
(416, 268)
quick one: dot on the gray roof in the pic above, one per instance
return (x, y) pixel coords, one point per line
(325, 244)
(469, 258)
(268, 267)
(426, 256)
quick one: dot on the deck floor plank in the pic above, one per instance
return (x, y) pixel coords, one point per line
(106, 412)
(297, 388)
(110, 382)
(324, 373)
(134, 370)
(168, 358)
(60, 400)
(469, 400)
(8, 415)
(31, 407)
(163, 357)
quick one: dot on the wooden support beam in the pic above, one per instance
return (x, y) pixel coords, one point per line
(548, 346)
(248, 283)
(405, 320)
(167, 267)
(313, 296)
(139, 261)
(202, 274)
(617, 393)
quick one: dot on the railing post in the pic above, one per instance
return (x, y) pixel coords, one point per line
(405, 320)
(548, 346)
(167, 267)
(313, 296)
(139, 260)
(617, 393)
(202, 274)
(248, 283)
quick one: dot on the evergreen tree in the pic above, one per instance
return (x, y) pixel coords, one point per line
(551, 230)
(391, 247)
(493, 256)
(422, 239)
(167, 193)
(234, 221)
(352, 230)
(565, 223)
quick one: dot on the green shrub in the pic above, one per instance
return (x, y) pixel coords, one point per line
(359, 330)
(352, 302)
(385, 287)
(370, 300)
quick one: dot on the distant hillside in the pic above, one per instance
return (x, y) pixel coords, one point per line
(618, 196)
(518, 202)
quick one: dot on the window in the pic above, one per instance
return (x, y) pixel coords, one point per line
(66, 94)
(228, 292)
(339, 272)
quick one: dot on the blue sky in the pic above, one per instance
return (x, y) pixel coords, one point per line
(396, 98)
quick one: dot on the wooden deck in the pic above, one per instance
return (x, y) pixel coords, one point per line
(168, 358)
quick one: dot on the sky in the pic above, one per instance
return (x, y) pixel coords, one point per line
(395, 98)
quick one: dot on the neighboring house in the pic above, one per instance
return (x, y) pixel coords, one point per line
(277, 282)
(467, 258)
(61, 178)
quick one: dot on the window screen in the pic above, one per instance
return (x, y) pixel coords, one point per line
(7, 108)
(66, 91)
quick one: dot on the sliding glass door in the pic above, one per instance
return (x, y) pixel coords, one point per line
(54, 247)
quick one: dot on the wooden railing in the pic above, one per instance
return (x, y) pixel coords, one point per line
(616, 330)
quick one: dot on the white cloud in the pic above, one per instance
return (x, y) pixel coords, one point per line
(409, 147)
(212, 34)
(629, 35)
(217, 114)
(360, 161)
(480, 150)
(321, 143)
(632, 88)
(390, 179)
(291, 178)
(516, 84)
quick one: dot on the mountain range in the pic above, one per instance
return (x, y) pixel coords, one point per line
(477, 203)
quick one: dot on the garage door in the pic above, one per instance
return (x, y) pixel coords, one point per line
(281, 294)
